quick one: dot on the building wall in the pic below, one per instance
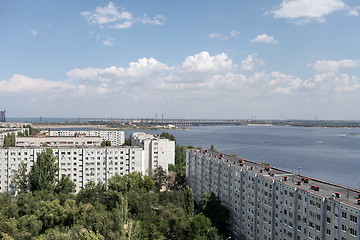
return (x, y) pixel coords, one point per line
(81, 164)
(157, 151)
(265, 207)
(57, 141)
(116, 138)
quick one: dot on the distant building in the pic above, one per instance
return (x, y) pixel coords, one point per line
(9, 130)
(116, 138)
(58, 141)
(157, 151)
(2, 116)
(268, 203)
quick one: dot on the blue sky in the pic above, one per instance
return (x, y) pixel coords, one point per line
(184, 59)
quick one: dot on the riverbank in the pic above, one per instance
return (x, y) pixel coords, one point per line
(100, 127)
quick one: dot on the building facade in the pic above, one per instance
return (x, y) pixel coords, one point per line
(81, 164)
(58, 141)
(157, 151)
(115, 137)
(270, 203)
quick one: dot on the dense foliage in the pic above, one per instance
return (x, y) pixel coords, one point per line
(9, 140)
(127, 209)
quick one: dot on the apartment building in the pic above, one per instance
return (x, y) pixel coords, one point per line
(270, 203)
(81, 164)
(157, 151)
(115, 137)
(58, 141)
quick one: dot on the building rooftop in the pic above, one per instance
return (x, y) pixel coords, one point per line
(72, 147)
(318, 187)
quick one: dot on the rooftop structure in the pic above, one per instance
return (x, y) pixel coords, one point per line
(271, 203)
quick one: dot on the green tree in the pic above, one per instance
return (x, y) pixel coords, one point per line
(105, 143)
(65, 185)
(168, 136)
(92, 193)
(21, 178)
(42, 173)
(9, 140)
(199, 227)
(127, 142)
(160, 178)
(211, 207)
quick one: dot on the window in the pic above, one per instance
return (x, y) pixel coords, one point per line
(328, 232)
(353, 232)
(353, 218)
(343, 227)
(343, 214)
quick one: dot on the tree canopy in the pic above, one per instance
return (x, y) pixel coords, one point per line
(42, 173)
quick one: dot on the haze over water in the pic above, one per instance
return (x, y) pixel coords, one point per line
(331, 154)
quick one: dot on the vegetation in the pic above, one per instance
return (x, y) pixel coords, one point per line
(105, 143)
(127, 142)
(30, 131)
(9, 140)
(168, 136)
(127, 209)
(42, 173)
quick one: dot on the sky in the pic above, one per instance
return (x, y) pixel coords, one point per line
(237, 59)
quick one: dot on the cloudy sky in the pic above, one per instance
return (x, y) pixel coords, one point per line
(184, 59)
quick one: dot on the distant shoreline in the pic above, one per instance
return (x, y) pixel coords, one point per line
(100, 127)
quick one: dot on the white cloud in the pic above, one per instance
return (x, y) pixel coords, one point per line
(157, 20)
(111, 16)
(108, 42)
(142, 68)
(333, 66)
(219, 36)
(203, 62)
(34, 32)
(202, 76)
(353, 11)
(106, 15)
(22, 84)
(264, 38)
(305, 11)
(251, 63)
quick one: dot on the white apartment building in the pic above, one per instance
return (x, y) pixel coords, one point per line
(81, 164)
(157, 151)
(270, 203)
(116, 137)
(58, 141)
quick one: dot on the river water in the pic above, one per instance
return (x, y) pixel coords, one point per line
(331, 154)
